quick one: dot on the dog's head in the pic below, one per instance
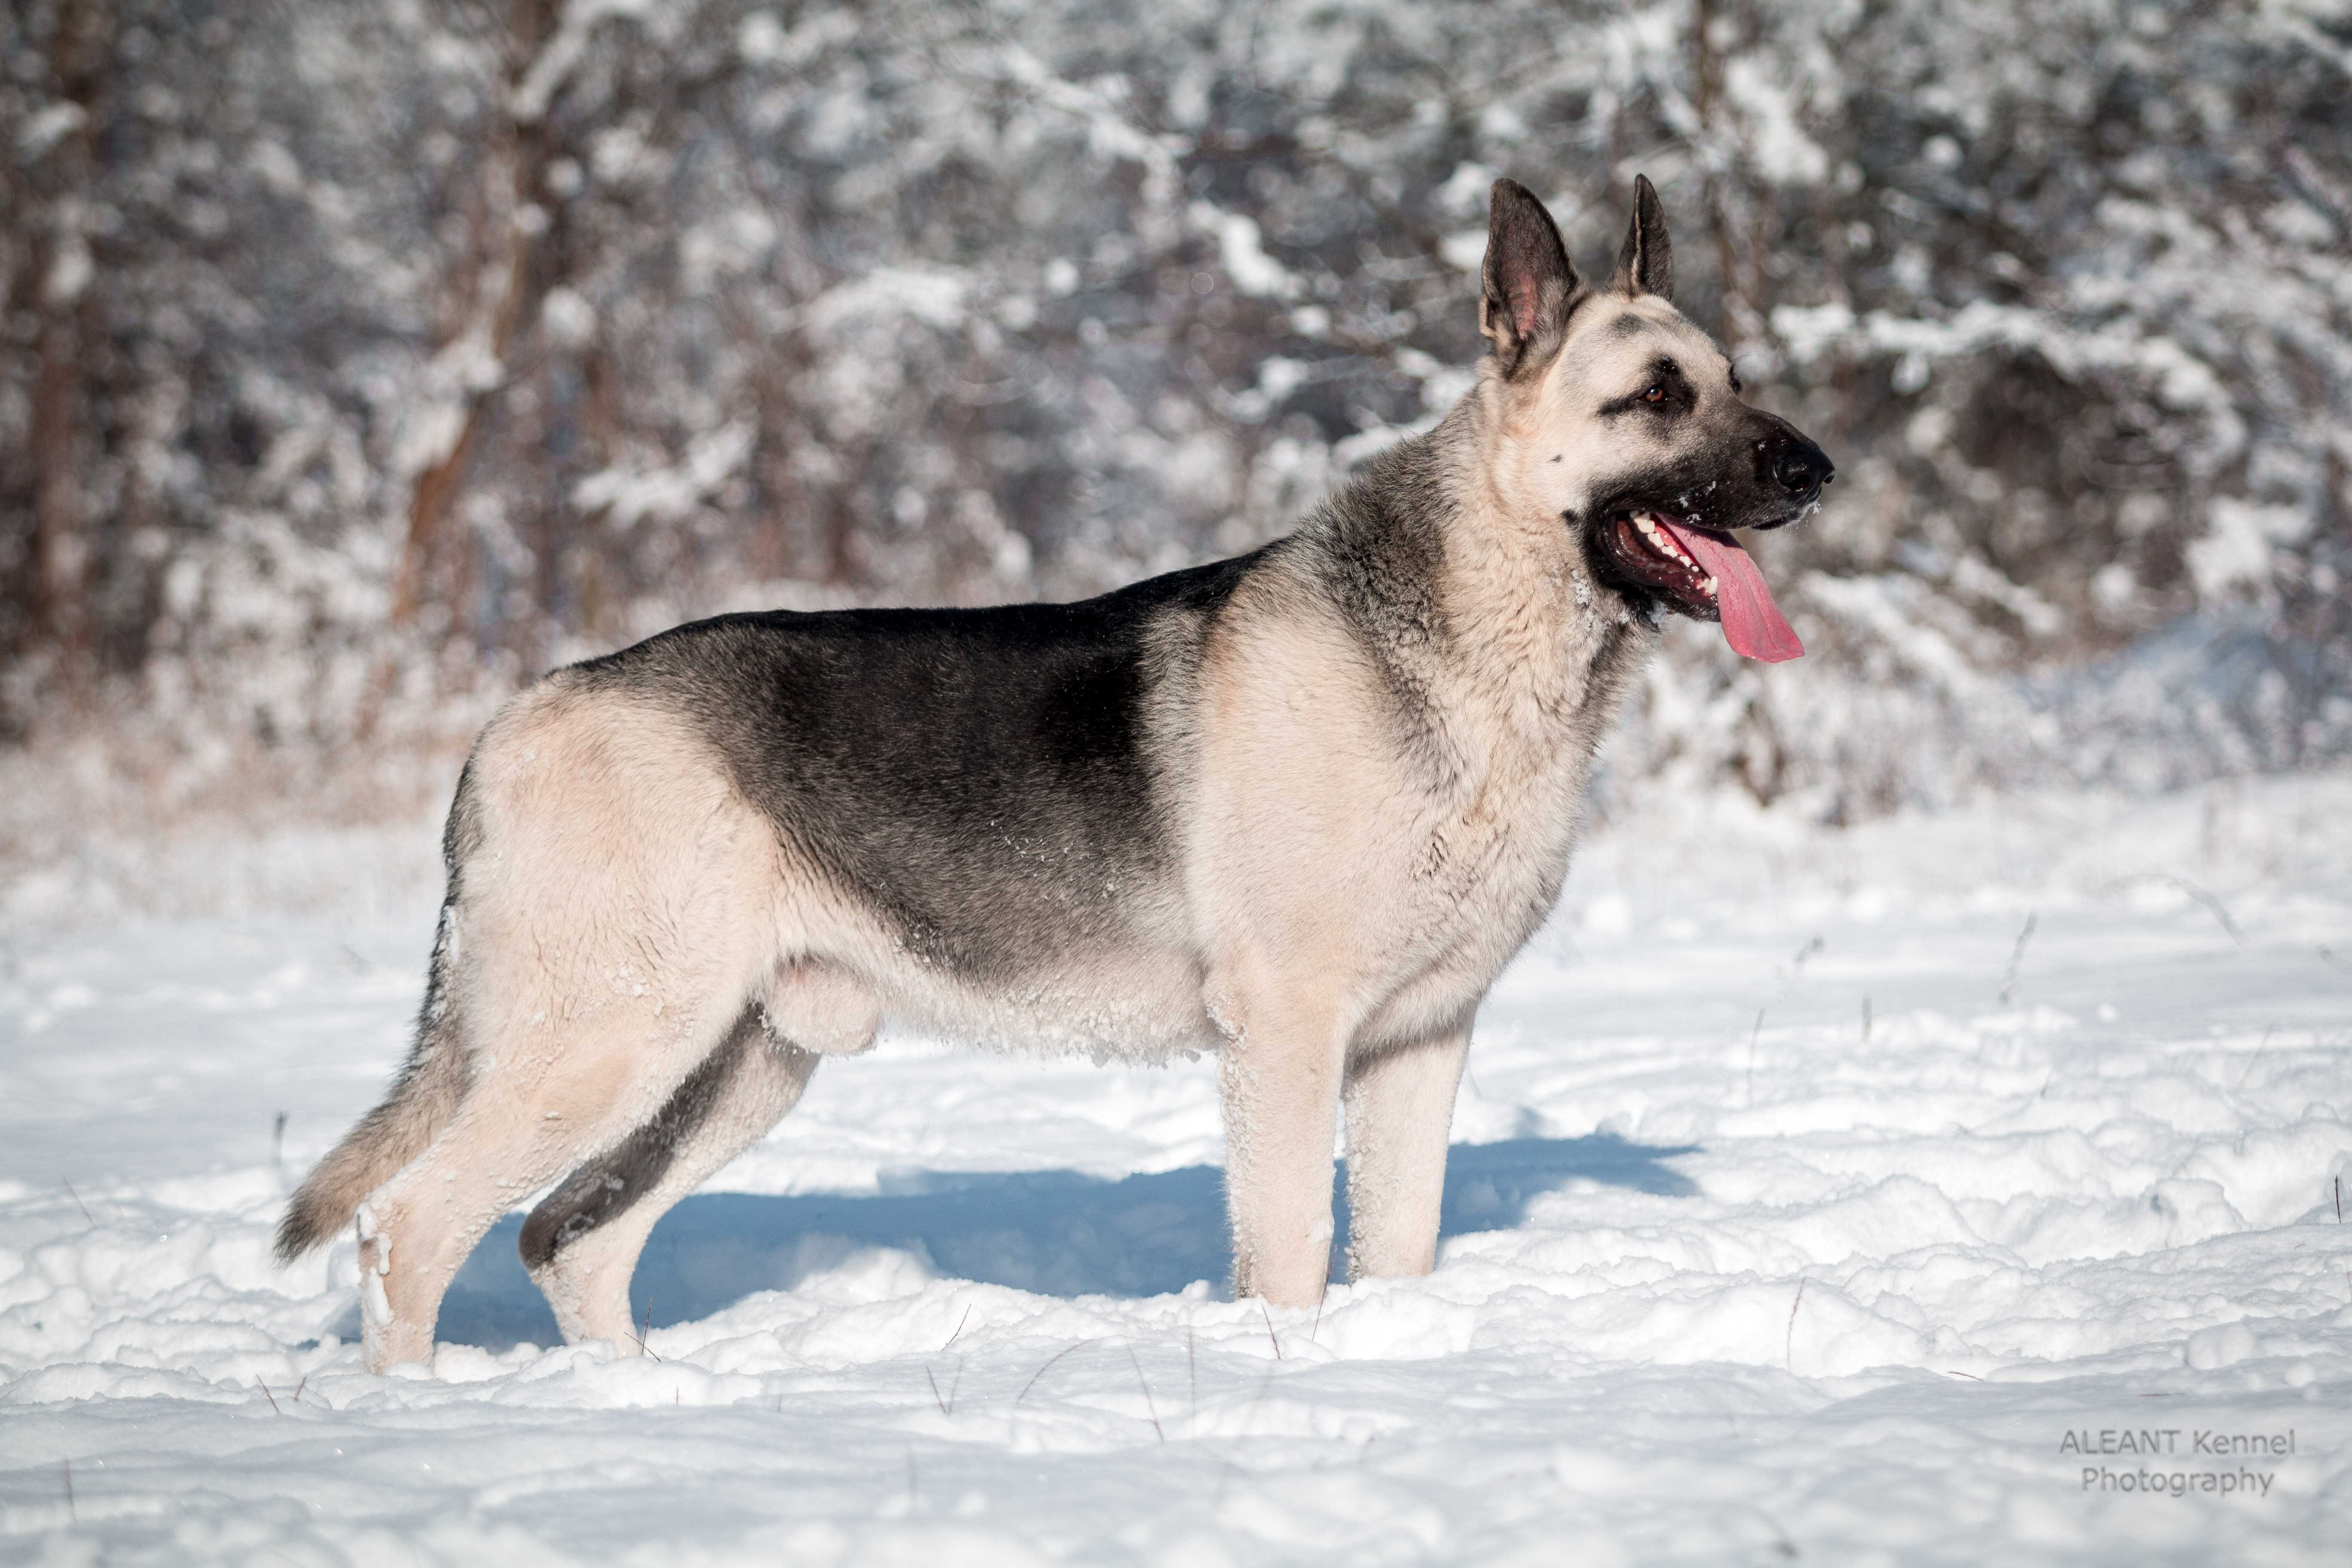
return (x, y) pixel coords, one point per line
(1624, 420)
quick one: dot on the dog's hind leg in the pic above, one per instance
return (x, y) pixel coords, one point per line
(608, 935)
(1400, 1106)
(538, 1106)
(417, 1228)
(580, 1243)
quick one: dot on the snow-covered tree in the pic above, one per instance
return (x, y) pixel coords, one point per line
(358, 357)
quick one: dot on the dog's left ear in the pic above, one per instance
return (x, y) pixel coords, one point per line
(1529, 286)
(1646, 264)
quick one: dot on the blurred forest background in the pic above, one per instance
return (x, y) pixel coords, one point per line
(362, 359)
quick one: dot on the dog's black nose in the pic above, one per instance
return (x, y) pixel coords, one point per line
(1802, 468)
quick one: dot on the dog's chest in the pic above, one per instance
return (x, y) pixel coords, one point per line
(1492, 852)
(1498, 834)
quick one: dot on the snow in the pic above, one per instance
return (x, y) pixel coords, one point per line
(1829, 1196)
(1243, 255)
(2239, 547)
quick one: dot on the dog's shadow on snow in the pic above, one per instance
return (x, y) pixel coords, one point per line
(1054, 1231)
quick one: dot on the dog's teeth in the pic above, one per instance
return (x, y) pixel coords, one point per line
(1708, 586)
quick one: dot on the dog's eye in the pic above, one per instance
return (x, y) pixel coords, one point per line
(1656, 394)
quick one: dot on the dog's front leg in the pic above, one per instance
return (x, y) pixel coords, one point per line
(1400, 1109)
(1280, 1077)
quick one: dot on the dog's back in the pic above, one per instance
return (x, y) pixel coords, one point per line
(990, 780)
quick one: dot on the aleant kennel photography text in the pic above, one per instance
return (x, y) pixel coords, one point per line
(1000, 784)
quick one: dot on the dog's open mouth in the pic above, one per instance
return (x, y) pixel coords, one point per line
(1706, 575)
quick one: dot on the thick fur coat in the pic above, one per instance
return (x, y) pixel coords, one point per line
(1297, 809)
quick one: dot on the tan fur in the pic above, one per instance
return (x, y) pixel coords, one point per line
(599, 953)
(1396, 1153)
(587, 1282)
(1349, 877)
(1542, 422)
(1359, 898)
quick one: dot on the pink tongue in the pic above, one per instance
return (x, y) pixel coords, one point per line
(1752, 622)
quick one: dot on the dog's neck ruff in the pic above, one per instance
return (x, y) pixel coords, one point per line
(1490, 624)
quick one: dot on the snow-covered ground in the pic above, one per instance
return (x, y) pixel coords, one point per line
(1817, 1197)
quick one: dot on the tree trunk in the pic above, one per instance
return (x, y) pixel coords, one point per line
(60, 617)
(504, 246)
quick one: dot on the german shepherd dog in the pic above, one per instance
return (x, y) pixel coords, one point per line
(1297, 809)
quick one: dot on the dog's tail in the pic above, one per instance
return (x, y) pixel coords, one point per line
(421, 1101)
(424, 1097)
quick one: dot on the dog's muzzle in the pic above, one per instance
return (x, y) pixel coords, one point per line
(1796, 466)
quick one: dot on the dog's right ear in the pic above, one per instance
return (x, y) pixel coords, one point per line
(1529, 285)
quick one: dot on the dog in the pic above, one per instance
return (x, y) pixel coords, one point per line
(1296, 809)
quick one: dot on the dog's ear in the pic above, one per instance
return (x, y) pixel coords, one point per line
(1530, 287)
(1646, 264)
